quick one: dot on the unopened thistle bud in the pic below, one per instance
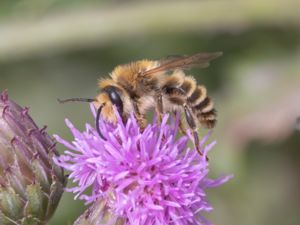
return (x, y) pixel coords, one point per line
(31, 185)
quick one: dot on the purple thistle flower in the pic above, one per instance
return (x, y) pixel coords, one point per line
(144, 178)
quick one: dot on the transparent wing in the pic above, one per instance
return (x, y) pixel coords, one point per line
(184, 62)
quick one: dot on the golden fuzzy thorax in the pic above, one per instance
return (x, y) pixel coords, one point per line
(131, 71)
(130, 77)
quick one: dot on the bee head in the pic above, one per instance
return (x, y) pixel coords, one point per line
(107, 98)
(113, 94)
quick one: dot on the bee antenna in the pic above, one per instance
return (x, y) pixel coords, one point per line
(76, 100)
(98, 122)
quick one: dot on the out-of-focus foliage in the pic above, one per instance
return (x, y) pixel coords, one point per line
(59, 48)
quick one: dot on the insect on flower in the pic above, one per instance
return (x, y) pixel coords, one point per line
(145, 85)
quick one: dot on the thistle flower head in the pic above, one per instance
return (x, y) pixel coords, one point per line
(144, 178)
(30, 183)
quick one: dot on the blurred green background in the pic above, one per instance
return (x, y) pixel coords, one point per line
(53, 49)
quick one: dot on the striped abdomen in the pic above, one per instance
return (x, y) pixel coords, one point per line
(183, 90)
(203, 107)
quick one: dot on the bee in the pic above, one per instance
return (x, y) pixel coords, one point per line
(145, 85)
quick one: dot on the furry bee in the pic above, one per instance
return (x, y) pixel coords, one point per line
(162, 85)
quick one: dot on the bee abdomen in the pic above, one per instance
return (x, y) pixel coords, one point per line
(198, 95)
(177, 100)
(174, 81)
(176, 95)
(204, 106)
(207, 119)
(189, 85)
(205, 112)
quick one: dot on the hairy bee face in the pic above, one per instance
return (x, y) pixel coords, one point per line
(112, 96)
(108, 97)
(107, 112)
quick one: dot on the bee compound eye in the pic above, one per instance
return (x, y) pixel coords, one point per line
(115, 97)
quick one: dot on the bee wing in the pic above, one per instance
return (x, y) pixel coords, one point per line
(184, 62)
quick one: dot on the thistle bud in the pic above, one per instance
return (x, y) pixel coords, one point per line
(31, 185)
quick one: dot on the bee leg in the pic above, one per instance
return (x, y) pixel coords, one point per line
(142, 122)
(192, 124)
(181, 126)
(141, 119)
(159, 106)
